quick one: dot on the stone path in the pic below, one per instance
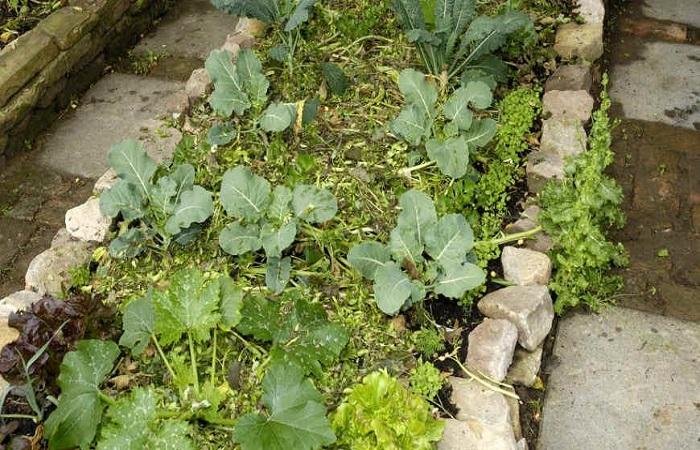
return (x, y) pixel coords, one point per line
(629, 378)
(37, 187)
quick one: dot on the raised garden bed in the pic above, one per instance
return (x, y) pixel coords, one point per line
(322, 263)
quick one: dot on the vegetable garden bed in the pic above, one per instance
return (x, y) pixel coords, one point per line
(334, 211)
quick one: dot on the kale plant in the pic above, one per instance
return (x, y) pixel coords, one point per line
(577, 213)
(451, 41)
(269, 219)
(156, 210)
(447, 132)
(240, 86)
(289, 14)
(380, 413)
(424, 254)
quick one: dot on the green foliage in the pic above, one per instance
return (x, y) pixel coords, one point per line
(295, 419)
(269, 219)
(239, 86)
(426, 380)
(133, 423)
(335, 77)
(156, 210)
(450, 132)
(577, 213)
(381, 413)
(451, 41)
(74, 423)
(428, 342)
(433, 253)
(299, 331)
(290, 12)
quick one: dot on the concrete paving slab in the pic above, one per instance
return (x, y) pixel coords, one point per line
(681, 11)
(663, 85)
(190, 30)
(623, 380)
(116, 108)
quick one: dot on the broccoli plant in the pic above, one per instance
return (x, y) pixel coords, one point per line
(289, 14)
(452, 42)
(424, 254)
(240, 86)
(269, 219)
(156, 210)
(447, 132)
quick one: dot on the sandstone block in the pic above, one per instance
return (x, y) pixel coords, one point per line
(491, 347)
(525, 267)
(565, 137)
(525, 367)
(67, 25)
(583, 41)
(568, 105)
(87, 223)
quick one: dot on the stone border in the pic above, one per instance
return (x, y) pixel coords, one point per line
(59, 58)
(508, 344)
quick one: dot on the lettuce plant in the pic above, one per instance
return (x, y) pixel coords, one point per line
(380, 413)
(290, 14)
(447, 132)
(451, 41)
(269, 219)
(156, 210)
(424, 255)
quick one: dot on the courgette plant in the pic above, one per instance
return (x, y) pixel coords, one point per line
(449, 131)
(288, 14)
(157, 210)
(424, 255)
(451, 41)
(269, 219)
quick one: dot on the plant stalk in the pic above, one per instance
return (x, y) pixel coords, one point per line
(512, 237)
(162, 356)
(193, 362)
(213, 359)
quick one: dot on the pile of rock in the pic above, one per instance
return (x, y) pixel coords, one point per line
(506, 346)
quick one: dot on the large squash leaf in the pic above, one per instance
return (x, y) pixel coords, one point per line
(295, 416)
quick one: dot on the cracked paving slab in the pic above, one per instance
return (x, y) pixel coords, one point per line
(623, 380)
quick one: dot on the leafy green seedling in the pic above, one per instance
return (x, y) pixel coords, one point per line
(155, 211)
(424, 254)
(452, 42)
(447, 132)
(269, 219)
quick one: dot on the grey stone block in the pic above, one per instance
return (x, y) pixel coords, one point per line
(491, 346)
(525, 267)
(570, 77)
(580, 41)
(568, 105)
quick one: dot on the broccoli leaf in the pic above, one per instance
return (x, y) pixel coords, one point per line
(312, 204)
(188, 305)
(335, 77)
(194, 206)
(295, 419)
(124, 198)
(264, 10)
(300, 14)
(231, 303)
(278, 117)
(132, 164)
(412, 124)
(278, 273)
(249, 70)
(458, 278)
(418, 212)
(481, 132)
(367, 257)
(74, 423)
(451, 156)
(276, 240)
(418, 91)
(404, 244)
(228, 95)
(244, 195)
(237, 239)
(392, 288)
(450, 239)
(221, 134)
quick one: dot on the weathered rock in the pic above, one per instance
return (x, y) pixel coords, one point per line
(473, 435)
(61, 237)
(22, 59)
(514, 405)
(522, 444)
(17, 301)
(570, 77)
(232, 47)
(159, 140)
(177, 103)
(529, 308)
(580, 41)
(477, 402)
(573, 105)
(253, 27)
(49, 271)
(67, 25)
(525, 367)
(198, 85)
(105, 182)
(542, 167)
(87, 223)
(565, 137)
(592, 11)
(491, 347)
(540, 242)
(525, 267)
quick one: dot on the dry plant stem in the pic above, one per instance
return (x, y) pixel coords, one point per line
(486, 381)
